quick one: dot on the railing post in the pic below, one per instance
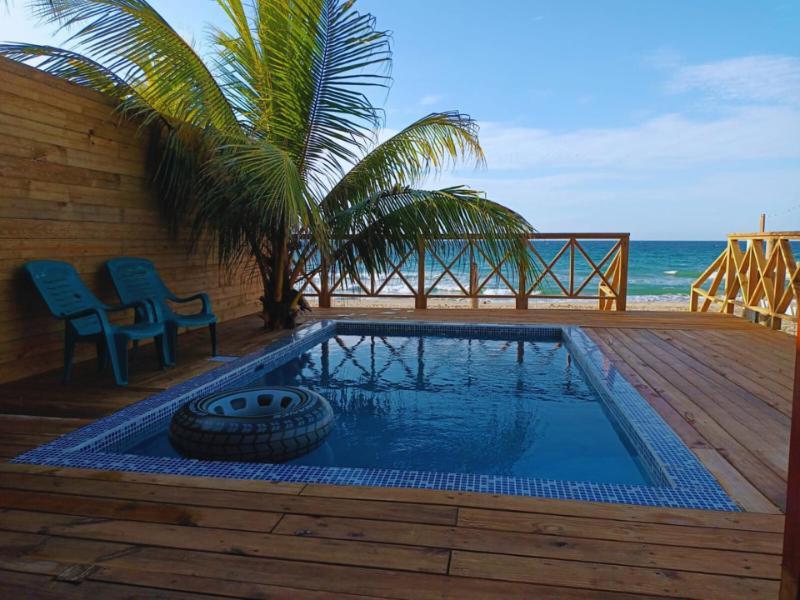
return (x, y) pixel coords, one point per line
(522, 287)
(731, 281)
(778, 281)
(421, 300)
(473, 276)
(571, 267)
(324, 285)
(622, 292)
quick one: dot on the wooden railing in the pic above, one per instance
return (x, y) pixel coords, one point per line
(756, 272)
(566, 265)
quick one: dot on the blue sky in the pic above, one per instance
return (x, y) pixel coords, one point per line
(674, 119)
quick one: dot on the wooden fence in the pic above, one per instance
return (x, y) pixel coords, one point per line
(585, 266)
(758, 273)
(73, 187)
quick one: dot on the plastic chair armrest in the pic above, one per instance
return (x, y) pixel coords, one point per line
(202, 296)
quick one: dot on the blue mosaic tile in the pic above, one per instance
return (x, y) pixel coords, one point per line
(680, 479)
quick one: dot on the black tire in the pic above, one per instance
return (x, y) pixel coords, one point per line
(263, 424)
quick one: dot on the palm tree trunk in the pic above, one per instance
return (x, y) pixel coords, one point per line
(264, 272)
(279, 302)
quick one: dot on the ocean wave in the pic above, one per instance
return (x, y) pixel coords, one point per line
(659, 297)
(653, 287)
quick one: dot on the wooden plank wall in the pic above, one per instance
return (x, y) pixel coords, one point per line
(72, 187)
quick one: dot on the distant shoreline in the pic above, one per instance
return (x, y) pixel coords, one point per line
(634, 303)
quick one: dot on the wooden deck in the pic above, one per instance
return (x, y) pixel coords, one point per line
(723, 384)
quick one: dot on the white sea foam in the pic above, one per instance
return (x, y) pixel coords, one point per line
(660, 298)
(670, 272)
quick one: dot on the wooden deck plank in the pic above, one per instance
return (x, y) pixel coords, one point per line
(611, 578)
(150, 512)
(45, 587)
(735, 484)
(642, 533)
(224, 541)
(283, 503)
(617, 512)
(668, 383)
(541, 545)
(744, 418)
(417, 497)
(762, 372)
(139, 534)
(22, 552)
(208, 483)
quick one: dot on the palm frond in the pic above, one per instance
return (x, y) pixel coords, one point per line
(432, 143)
(69, 65)
(270, 178)
(240, 68)
(375, 231)
(131, 39)
(257, 187)
(338, 117)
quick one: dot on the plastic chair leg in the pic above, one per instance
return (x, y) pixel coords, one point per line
(119, 359)
(172, 342)
(161, 351)
(212, 328)
(69, 354)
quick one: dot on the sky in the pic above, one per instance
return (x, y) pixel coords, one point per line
(673, 119)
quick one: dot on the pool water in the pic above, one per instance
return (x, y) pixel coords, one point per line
(458, 405)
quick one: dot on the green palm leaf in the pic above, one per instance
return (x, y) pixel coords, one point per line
(430, 144)
(71, 66)
(339, 118)
(134, 41)
(375, 231)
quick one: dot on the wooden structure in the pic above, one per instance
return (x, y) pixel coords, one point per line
(69, 533)
(790, 580)
(758, 273)
(73, 187)
(603, 278)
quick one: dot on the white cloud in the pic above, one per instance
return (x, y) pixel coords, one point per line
(666, 175)
(429, 100)
(685, 206)
(667, 141)
(747, 79)
(761, 124)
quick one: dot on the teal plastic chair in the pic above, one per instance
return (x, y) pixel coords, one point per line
(86, 318)
(137, 280)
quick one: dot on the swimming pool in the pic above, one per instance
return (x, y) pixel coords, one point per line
(526, 410)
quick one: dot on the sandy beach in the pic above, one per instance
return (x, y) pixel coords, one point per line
(494, 303)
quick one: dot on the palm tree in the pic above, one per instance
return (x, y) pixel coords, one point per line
(267, 145)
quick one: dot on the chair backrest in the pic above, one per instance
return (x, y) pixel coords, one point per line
(64, 292)
(137, 279)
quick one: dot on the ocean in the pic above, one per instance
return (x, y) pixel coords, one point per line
(667, 270)
(657, 270)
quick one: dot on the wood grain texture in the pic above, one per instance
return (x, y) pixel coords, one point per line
(73, 187)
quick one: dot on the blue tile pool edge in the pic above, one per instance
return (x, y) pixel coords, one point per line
(683, 481)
